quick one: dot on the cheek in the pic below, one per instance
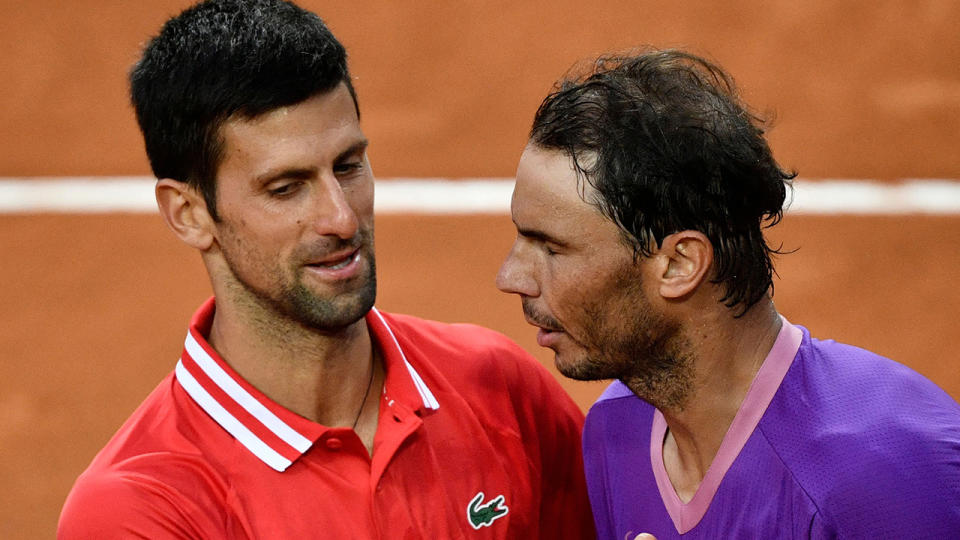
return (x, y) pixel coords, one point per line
(569, 282)
(568, 296)
(257, 245)
(586, 300)
(360, 196)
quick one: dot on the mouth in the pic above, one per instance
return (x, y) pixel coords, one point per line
(543, 327)
(547, 338)
(543, 322)
(547, 335)
(338, 266)
(338, 261)
(550, 329)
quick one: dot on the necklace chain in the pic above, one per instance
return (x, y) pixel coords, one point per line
(365, 394)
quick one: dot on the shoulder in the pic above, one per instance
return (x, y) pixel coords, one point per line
(616, 390)
(618, 404)
(148, 496)
(852, 387)
(870, 440)
(616, 407)
(147, 476)
(839, 364)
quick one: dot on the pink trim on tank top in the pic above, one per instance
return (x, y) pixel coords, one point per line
(686, 516)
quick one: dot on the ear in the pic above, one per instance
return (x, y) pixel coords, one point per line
(185, 211)
(687, 257)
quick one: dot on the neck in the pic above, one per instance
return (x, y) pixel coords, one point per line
(727, 356)
(321, 376)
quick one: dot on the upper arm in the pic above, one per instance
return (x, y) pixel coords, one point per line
(128, 505)
(905, 483)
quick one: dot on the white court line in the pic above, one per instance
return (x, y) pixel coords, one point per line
(134, 194)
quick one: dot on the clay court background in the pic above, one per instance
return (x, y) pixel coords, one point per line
(94, 307)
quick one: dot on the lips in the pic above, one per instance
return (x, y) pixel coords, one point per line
(546, 338)
(337, 261)
(339, 266)
(548, 334)
(543, 327)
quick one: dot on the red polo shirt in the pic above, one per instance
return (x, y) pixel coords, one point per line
(475, 440)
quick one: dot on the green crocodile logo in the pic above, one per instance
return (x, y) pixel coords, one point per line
(483, 515)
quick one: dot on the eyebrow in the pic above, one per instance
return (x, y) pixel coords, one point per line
(358, 147)
(293, 173)
(536, 234)
(304, 173)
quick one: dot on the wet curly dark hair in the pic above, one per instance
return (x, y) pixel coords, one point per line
(667, 145)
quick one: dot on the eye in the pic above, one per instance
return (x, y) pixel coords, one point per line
(347, 168)
(284, 190)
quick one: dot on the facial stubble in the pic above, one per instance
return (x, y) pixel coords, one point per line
(294, 301)
(624, 337)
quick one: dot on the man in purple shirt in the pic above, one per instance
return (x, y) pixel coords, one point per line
(639, 204)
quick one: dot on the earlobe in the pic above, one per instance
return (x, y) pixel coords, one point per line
(185, 212)
(688, 256)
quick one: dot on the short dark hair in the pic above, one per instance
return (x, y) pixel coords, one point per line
(664, 139)
(221, 59)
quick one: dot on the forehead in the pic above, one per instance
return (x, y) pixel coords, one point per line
(547, 179)
(550, 198)
(319, 127)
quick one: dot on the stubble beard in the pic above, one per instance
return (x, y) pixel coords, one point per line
(297, 303)
(624, 338)
(302, 305)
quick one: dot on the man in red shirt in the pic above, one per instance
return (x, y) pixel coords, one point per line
(298, 410)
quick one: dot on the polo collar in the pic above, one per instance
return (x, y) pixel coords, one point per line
(274, 434)
(412, 391)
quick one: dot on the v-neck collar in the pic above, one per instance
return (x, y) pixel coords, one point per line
(686, 516)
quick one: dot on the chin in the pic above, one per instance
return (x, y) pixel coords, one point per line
(578, 368)
(330, 314)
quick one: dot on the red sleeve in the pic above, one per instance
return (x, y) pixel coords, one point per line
(128, 505)
(553, 425)
(565, 507)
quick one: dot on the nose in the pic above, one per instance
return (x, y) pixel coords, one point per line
(334, 212)
(516, 274)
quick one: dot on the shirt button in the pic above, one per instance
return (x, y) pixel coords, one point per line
(334, 443)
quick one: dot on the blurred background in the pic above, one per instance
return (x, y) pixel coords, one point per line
(95, 306)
